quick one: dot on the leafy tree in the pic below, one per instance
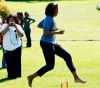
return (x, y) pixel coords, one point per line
(32, 0)
(1, 0)
(3, 9)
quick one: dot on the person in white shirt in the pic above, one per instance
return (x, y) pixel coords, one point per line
(12, 32)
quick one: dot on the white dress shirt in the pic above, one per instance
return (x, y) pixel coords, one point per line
(11, 40)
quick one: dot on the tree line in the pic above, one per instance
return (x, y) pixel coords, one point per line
(32, 0)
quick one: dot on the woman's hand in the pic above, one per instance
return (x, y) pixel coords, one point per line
(61, 32)
(18, 32)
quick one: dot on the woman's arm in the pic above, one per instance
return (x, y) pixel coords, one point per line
(5, 30)
(18, 32)
(53, 32)
(32, 21)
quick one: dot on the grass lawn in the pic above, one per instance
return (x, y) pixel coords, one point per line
(81, 22)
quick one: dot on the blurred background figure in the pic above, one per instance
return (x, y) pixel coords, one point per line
(20, 18)
(5, 18)
(27, 29)
(0, 22)
(1, 43)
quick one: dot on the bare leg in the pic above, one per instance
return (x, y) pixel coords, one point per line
(30, 79)
(77, 79)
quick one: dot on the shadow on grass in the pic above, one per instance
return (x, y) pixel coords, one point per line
(1, 68)
(5, 79)
(29, 1)
(34, 0)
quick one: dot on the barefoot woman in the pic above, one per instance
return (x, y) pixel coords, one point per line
(50, 48)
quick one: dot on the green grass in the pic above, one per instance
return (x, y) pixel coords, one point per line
(81, 21)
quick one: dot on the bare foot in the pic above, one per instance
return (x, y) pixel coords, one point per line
(29, 79)
(78, 80)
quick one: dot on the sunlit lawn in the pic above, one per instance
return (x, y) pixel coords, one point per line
(81, 21)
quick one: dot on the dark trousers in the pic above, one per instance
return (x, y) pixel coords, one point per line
(49, 51)
(13, 61)
(28, 37)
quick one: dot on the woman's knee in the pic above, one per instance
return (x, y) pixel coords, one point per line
(50, 67)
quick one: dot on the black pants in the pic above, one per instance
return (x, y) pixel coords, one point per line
(28, 37)
(49, 51)
(13, 61)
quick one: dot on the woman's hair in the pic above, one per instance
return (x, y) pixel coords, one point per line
(20, 14)
(50, 9)
(26, 13)
(11, 16)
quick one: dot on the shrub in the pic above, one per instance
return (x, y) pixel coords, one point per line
(98, 7)
(32, 0)
(3, 9)
(2, 0)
